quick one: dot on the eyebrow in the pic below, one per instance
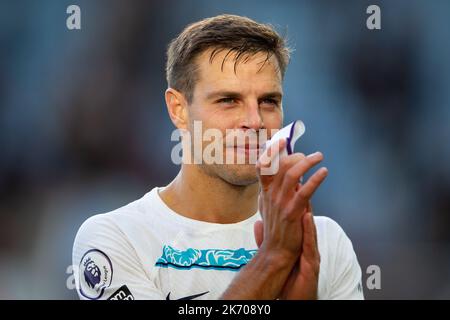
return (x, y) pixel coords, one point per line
(233, 94)
(273, 95)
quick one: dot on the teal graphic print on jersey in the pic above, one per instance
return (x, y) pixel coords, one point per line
(218, 259)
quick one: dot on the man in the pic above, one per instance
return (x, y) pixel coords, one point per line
(202, 237)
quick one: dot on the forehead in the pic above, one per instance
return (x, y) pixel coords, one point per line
(249, 72)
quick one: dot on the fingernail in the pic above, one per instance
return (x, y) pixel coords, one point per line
(313, 154)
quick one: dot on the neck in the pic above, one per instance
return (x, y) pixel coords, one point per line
(196, 195)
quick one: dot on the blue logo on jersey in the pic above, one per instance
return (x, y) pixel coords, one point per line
(95, 274)
(219, 259)
(91, 273)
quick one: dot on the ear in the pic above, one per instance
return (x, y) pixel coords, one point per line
(177, 108)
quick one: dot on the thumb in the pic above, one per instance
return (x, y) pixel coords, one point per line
(258, 229)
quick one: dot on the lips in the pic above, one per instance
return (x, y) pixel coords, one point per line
(248, 150)
(249, 147)
(245, 139)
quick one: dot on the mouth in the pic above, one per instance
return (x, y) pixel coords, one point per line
(247, 150)
(248, 146)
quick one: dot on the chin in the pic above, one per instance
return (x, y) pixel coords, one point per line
(239, 174)
(235, 174)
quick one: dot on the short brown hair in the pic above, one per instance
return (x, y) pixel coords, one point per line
(237, 34)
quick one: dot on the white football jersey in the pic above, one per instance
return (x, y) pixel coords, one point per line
(145, 250)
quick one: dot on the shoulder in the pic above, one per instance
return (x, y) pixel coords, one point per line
(100, 233)
(109, 231)
(339, 263)
(333, 240)
(328, 227)
(132, 232)
(116, 223)
(105, 225)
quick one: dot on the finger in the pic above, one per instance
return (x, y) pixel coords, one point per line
(310, 248)
(258, 229)
(292, 159)
(285, 164)
(292, 175)
(310, 208)
(315, 237)
(268, 154)
(267, 165)
(305, 193)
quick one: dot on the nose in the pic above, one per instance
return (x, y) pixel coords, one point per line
(252, 119)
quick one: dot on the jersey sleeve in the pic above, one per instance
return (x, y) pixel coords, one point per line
(346, 276)
(106, 266)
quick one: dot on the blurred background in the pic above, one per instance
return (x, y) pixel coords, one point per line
(84, 128)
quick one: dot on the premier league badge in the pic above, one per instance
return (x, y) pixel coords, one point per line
(95, 274)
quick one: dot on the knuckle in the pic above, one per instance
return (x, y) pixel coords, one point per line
(303, 195)
(287, 216)
(291, 175)
(277, 201)
(284, 162)
(309, 162)
(270, 198)
(314, 179)
(299, 157)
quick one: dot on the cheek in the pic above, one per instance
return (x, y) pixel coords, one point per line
(213, 117)
(273, 120)
(203, 112)
(210, 118)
